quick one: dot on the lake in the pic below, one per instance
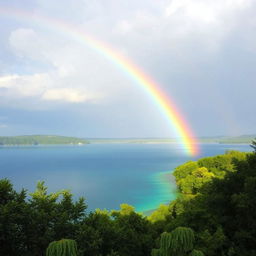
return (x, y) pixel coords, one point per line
(105, 174)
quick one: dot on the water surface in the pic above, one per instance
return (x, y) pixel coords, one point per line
(105, 174)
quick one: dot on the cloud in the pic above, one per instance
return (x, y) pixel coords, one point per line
(41, 88)
(75, 73)
(199, 51)
(65, 94)
(206, 11)
(182, 25)
(17, 86)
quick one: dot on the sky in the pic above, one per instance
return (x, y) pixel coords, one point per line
(201, 53)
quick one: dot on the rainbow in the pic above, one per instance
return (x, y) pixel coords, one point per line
(164, 103)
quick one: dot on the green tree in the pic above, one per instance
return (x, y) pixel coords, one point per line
(63, 247)
(13, 214)
(97, 234)
(134, 233)
(184, 170)
(253, 145)
(179, 242)
(52, 217)
(160, 214)
(196, 253)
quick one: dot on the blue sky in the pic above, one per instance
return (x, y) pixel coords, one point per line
(201, 52)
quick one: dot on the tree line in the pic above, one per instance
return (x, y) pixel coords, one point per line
(40, 140)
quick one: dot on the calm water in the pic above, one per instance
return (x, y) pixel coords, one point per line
(105, 174)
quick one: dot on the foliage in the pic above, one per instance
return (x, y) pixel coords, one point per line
(156, 252)
(125, 209)
(179, 242)
(134, 234)
(196, 253)
(40, 140)
(159, 214)
(28, 225)
(63, 247)
(118, 233)
(183, 170)
(217, 200)
(192, 176)
(243, 139)
(13, 215)
(165, 243)
(253, 145)
(113, 253)
(182, 240)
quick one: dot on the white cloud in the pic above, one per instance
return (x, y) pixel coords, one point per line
(183, 30)
(40, 87)
(76, 74)
(65, 94)
(182, 23)
(17, 86)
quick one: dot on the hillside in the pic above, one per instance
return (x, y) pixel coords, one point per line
(40, 140)
(243, 139)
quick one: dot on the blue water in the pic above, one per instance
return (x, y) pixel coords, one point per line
(105, 174)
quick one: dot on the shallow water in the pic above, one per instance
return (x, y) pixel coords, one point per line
(105, 174)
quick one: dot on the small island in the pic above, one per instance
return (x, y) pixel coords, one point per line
(34, 140)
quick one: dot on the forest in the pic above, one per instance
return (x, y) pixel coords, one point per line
(214, 215)
(39, 140)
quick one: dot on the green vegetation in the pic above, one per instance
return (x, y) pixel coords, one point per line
(28, 224)
(63, 247)
(217, 201)
(62, 140)
(40, 140)
(213, 215)
(243, 139)
(179, 242)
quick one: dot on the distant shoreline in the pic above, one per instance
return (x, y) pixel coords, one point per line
(36, 140)
(93, 143)
(106, 143)
(46, 140)
(42, 145)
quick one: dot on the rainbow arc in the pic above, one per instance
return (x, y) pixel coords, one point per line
(165, 103)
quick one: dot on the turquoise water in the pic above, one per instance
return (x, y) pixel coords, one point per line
(105, 174)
